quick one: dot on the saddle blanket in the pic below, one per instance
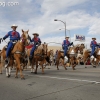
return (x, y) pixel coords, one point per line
(29, 46)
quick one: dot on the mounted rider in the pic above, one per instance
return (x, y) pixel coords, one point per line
(36, 41)
(14, 37)
(93, 46)
(65, 46)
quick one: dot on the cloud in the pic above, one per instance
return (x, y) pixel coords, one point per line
(38, 16)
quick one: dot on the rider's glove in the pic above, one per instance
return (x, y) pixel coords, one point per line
(71, 43)
(3, 38)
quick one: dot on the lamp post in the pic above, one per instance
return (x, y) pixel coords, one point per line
(63, 23)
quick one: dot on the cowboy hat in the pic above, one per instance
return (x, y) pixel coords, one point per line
(14, 26)
(94, 38)
(66, 37)
(36, 34)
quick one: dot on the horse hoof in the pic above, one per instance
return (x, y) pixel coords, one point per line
(85, 67)
(65, 68)
(8, 76)
(48, 68)
(43, 73)
(22, 78)
(74, 69)
(16, 76)
(35, 72)
(57, 68)
(0, 73)
(94, 66)
(32, 72)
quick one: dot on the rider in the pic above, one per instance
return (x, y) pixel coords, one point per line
(36, 41)
(65, 46)
(93, 45)
(14, 37)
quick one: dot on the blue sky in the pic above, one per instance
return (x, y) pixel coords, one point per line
(81, 17)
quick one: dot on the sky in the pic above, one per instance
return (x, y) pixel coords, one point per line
(81, 16)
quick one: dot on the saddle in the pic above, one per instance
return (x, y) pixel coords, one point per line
(38, 51)
(62, 51)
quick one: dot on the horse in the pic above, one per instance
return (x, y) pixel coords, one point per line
(49, 58)
(40, 55)
(71, 53)
(60, 55)
(16, 54)
(95, 60)
(80, 48)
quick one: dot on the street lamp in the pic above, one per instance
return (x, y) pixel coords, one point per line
(63, 23)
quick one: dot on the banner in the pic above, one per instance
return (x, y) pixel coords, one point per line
(79, 38)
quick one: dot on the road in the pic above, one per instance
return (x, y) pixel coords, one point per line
(80, 84)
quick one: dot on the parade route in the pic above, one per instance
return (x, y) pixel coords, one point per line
(81, 84)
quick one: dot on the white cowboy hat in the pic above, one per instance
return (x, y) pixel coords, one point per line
(66, 37)
(14, 25)
(36, 34)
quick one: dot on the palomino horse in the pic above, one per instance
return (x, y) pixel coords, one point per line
(60, 55)
(40, 55)
(49, 58)
(72, 52)
(80, 52)
(17, 54)
(86, 56)
(95, 61)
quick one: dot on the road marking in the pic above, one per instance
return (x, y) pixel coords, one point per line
(67, 79)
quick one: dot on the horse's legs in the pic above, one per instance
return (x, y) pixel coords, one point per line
(0, 68)
(16, 76)
(64, 65)
(19, 67)
(32, 68)
(36, 67)
(57, 63)
(7, 72)
(2, 64)
(49, 64)
(42, 69)
(73, 66)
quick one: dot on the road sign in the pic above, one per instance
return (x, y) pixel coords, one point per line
(79, 38)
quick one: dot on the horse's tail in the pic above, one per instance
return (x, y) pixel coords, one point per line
(48, 59)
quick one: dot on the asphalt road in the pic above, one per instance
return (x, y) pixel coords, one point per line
(80, 84)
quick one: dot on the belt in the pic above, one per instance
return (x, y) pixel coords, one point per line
(13, 40)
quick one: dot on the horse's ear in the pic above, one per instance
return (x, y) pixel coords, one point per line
(27, 30)
(22, 30)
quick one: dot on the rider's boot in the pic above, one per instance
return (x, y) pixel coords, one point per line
(65, 59)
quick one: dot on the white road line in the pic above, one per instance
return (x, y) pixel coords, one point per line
(68, 79)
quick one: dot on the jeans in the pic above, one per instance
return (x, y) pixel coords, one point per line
(10, 45)
(32, 51)
(65, 50)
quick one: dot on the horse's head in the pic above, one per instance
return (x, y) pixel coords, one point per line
(45, 49)
(25, 37)
(72, 51)
(79, 48)
(51, 52)
(98, 52)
